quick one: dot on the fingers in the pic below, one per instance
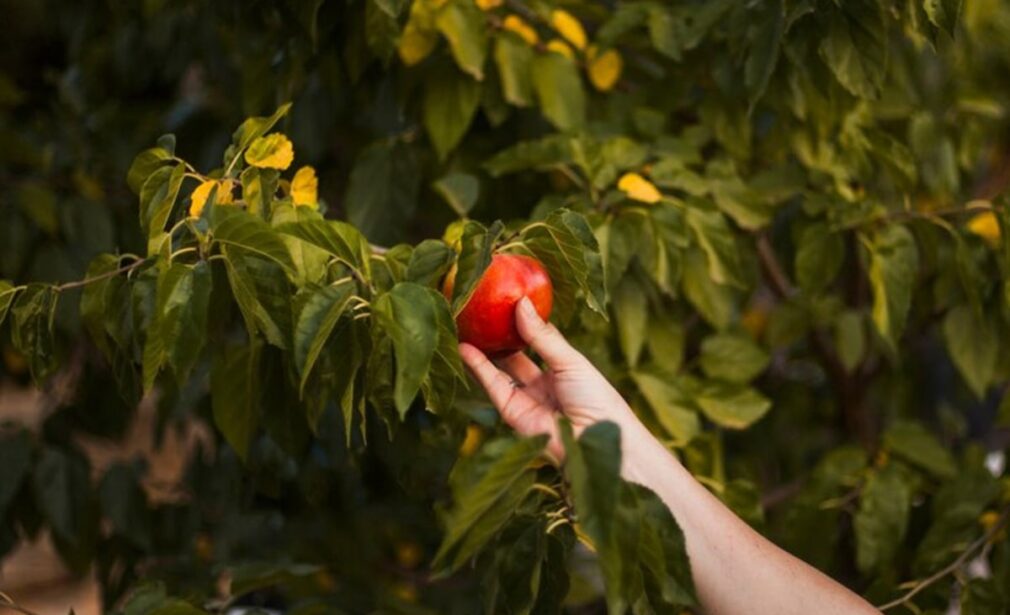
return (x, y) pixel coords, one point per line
(518, 409)
(545, 339)
(521, 368)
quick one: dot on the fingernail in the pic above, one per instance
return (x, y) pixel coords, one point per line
(527, 308)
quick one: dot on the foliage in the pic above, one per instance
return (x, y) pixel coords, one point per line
(776, 226)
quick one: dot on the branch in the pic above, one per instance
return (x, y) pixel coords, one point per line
(955, 565)
(108, 274)
(6, 602)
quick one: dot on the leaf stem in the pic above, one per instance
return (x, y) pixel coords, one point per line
(108, 274)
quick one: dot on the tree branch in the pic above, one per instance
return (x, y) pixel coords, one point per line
(108, 274)
(955, 565)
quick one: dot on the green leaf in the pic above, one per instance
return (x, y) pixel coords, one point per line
(631, 309)
(315, 324)
(661, 551)
(459, 190)
(477, 243)
(715, 303)
(514, 59)
(984, 596)
(383, 188)
(7, 295)
(713, 234)
(665, 339)
(96, 300)
(463, 25)
(261, 291)
(820, 254)
(733, 358)
(850, 338)
(547, 152)
(255, 127)
(560, 91)
(943, 14)
(234, 380)
(501, 466)
(157, 198)
(151, 599)
(894, 264)
(63, 494)
(259, 186)
(514, 578)
(973, 343)
(765, 40)
(238, 229)
(730, 405)
(670, 403)
(407, 314)
(32, 328)
(450, 102)
(855, 48)
(429, 262)
(447, 372)
(15, 463)
(124, 504)
(916, 444)
(882, 519)
(146, 163)
(183, 299)
(338, 239)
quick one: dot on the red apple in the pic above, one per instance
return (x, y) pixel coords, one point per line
(488, 318)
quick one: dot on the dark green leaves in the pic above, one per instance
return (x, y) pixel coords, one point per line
(383, 188)
(765, 40)
(339, 239)
(408, 315)
(565, 244)
(973, 344)
(238, 229)
(450, 101)
(179, 328)
(459, 190)
(882, 518)
(315, 323)
(514, 59)
(429, 262)
(157, 198)
(32, 328)
(146, 163)
(462, 24)
(943, 14)
(486, 490)
(734, 358)
(477, 243)
(63, 495)
(15, 462)
(894, 263)
(914, 443)
(559, 89)
(234, 381)
(855, 48)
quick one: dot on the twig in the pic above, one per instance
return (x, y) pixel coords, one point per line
(6, 602)
(954, 566)
(108, 274)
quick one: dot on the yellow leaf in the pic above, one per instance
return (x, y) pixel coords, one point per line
(638, 188)
(559, 46)
(198, 200)
(569, 27)
(416, 44)
(273, 151)
(604, 68)
(305, 187)
(474, 436)
(487, 5)
(986, 226)
(517, 24)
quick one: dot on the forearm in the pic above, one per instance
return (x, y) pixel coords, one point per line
(736, 570)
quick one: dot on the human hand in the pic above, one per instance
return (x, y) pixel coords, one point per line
(532, 400)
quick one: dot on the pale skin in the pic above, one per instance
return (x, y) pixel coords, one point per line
(736, 570)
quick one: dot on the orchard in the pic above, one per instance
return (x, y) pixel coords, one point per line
(780, 229)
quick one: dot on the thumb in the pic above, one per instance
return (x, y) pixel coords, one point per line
(545, 339)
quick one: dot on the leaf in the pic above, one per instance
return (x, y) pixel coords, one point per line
(943, 14)
(559, 90)
(7, 295)
(882, 519)
(604, 68)
(450, 102)
(670, 403)
(765, 40)
(631, 309)
(476, 245)
(62, 493)
(569, 27)
(713, 234)
(407, 314)
(463, 25)
(146, 163)
(183, 300)
(315, 324)
(238, 229)
(984, 596)
(973, 344)
(500, 466)
(15, 462)
(157, 198)
(338, 239)
(459, 190)
(233, 387)
(639, 189)
(547, 152)
(894, 264)
(429, 262)
(32, 328)
(259, 188)
(715, 303)
(514, 59)
(733, 358)
(819, 257)
(447, 372)
(124, 504)
(665, 339)
(850, 339)
(855, 48)
(661, 550)
(913, 442)
(383, 188)
(730, 405)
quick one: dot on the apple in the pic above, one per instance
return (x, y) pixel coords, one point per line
(487, 321)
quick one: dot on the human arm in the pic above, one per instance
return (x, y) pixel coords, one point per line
(736, 570)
